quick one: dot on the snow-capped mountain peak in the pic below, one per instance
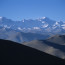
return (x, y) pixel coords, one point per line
(43, 24)
(43, 17)
(57, 23)
(0, 17)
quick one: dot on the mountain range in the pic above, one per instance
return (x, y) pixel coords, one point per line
(42, 25)
(28, 30)
(42, 34)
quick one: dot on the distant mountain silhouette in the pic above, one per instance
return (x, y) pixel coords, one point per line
(16, 36)
(14, 53)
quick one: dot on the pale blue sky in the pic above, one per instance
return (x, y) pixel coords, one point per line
(26, 9)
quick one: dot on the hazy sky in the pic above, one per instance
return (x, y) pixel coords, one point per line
(25, 9)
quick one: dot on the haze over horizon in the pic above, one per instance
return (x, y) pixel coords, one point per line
(32, 9)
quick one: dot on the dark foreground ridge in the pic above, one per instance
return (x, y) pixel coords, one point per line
(14, 53)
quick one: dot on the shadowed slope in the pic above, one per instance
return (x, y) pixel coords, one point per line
(13, 53)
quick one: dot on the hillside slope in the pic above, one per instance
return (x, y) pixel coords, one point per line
(54, 45)
(57, 39)
(13, 53)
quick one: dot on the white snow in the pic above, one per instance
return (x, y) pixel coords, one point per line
(5, 26)
(38, 19)
(23, 21)
(36, 28)
(45, 25)
(43, 17)
(54, 27)
(56, 23)
(0, 17)
(63, 25)
(19, 28)
(43, 21)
